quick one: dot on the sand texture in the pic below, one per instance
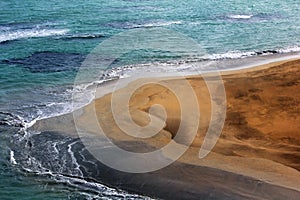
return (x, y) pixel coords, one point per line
(256, 157)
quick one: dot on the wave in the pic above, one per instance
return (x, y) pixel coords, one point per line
(72, 175)
(10, 119)
(289, 49)
(241, 54)
(232, 59)
(67, 162)
(230, 55)
(156, 24)
(85, 187)
(142, 24)
(12, 158)
(65, 105)
(254, 18)
(26, 116)
(240, 16)
(9, 35)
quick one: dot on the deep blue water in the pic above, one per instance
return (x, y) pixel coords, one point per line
(43, 43)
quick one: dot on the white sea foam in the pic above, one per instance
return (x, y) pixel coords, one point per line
(230, 55)
(52, 109)
(289, 49)
(85, 93)
(29, 33)
(187, 65)
(241, 54)
(98, 188)
(240, 16)
(54, 145)
(77, 171)
(156, 24)
(12, 158)
(88, 187)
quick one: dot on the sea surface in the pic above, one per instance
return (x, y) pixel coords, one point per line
(43, 44)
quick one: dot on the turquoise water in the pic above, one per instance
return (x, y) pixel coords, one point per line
(42, 44)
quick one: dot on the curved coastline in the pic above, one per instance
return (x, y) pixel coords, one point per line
(257, 156)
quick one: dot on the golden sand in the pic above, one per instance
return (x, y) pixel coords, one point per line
(261, 136)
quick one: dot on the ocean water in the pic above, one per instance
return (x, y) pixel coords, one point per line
(43, 43)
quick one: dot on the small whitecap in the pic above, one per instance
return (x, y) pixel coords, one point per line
(29, 33)
(240, 16)
(12, 158)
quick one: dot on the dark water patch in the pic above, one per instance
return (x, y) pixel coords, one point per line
(48, 61)
(122, 25)
(142, 24)
(267, 52)
(6, 42)
(82, 37)
(269, 16)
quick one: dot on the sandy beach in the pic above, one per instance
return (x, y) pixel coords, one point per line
(146, 100)
(256, 157)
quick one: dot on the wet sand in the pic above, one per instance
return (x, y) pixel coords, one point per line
(256, 157)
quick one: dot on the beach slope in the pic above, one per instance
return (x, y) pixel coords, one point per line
(256, 157)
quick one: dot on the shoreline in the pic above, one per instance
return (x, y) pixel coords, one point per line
(273, 59)
(241, 65)
(250, 141)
